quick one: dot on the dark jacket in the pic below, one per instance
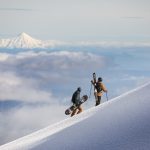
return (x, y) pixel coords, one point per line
(76, 97)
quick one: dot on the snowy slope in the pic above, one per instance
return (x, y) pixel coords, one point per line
(123, 123)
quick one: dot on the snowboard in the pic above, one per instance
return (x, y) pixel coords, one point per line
(73, 107)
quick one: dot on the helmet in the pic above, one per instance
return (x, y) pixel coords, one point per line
(100, 79)
(79, 89)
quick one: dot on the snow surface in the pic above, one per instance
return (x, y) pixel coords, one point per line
(122, 123)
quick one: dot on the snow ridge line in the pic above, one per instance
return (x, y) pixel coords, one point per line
(129, 92)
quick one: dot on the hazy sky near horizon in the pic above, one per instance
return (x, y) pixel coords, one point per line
(76, 20)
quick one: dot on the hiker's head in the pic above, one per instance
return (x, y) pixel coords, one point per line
(79, 89)
(100, 79)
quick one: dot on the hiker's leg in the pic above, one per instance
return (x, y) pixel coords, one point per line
(79, 109)
(98, 100)
(74, 112)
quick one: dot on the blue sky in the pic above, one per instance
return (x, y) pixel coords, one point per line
(76, 20)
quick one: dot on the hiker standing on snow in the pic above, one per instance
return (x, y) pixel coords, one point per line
(99, 89)
(76, 102)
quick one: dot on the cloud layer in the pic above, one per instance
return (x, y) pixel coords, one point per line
(36, 86)
(31, 76)
(41, 84)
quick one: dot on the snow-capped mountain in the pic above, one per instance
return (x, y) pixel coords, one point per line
(120, 124)
(21, 41)
(24, 41)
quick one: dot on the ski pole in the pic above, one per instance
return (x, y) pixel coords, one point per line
(90, 90)
(106, 96)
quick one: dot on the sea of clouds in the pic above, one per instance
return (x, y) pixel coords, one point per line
(36, 86)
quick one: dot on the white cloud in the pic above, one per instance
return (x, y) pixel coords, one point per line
(17, 88)
(31, 76)
(77, 60)
(22, 121)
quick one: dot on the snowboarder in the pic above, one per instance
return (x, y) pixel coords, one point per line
(76, 102)
(69, 110)
(99, 89)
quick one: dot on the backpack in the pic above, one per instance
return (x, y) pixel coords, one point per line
(73, 100)
(74, 97)
(98, 87)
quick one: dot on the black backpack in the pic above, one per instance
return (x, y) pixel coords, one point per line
(98, 87)
(74, 97)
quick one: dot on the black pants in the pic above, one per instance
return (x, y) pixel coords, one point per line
(98, 101)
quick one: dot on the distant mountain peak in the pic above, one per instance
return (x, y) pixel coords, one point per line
(24, 35)
(26, 38)
(25, 41)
